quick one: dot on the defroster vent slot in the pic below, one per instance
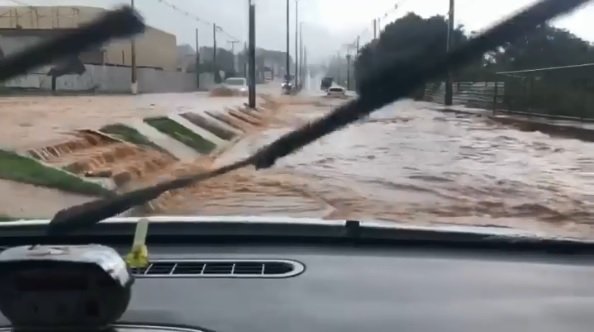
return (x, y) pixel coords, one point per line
(220, 269)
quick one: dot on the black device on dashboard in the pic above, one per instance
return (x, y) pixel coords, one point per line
(85, 288)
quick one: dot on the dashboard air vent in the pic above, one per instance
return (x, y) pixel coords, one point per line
(221, 269)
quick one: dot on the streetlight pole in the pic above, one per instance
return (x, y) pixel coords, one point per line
(133, 80)
(252, 57)
(214, 51)
(379, 26)
(246, 55)
(449, 93)
(233, 42)
(197, 67)
(288, 62)
(296, 43)
(348, 57)
(305, 67)
(301, 64)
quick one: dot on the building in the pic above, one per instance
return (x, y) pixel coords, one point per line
(23, 26)
(270, 64)
(186, 58)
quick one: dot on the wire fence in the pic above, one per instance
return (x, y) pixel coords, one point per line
(564, 93)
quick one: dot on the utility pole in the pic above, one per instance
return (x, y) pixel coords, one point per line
(233, 42)
(348, 71)
(305, 65)
(252, 56)
(197, 67)
(379, 26)
(358, 40)
(337, 69)
(245, 55)
(374, 29)
(133, 81)
(301, 73)
(288, 62)
(214, 52)
(449, 93)
(296, 43)
(348, 58)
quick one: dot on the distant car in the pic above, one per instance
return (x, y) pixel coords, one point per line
(326, 83)
(336, 91)
(237, 84)
(287, 87)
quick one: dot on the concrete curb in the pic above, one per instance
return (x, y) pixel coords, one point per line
(568, 130)
(52, 151)
(205, 120)
(239, 115)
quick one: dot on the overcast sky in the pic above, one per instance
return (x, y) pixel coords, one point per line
(328, 24)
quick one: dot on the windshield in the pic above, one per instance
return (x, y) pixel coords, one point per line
(505, 141)
(235, 81)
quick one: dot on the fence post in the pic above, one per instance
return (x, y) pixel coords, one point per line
(495, 96)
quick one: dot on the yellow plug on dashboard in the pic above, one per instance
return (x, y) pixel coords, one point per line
(138, 256)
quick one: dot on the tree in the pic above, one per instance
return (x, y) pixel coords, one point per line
(413, 39)
(568, 91)
(225, 61)
(546, 46)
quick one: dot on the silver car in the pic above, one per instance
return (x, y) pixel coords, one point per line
(336, 91)
(237, 84)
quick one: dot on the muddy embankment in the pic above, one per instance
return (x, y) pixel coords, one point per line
(122, 155)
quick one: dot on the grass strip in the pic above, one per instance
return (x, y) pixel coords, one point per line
(27, 170)
(225, 119)
(202, 122)
(181, 133)
(6, 218)
(131, 135)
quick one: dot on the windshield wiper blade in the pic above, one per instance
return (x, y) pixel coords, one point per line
(119, 23)
(401, 78)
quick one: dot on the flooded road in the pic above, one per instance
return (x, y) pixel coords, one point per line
(33, 121)
(408, 163)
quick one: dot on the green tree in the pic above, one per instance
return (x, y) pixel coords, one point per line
(567, 91)
(410, 37)
(225, 62)
(546, 46)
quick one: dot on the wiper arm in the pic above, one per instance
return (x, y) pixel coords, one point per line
(401, 78)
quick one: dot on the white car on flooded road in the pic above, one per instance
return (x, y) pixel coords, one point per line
(238, 84)
(336, 92)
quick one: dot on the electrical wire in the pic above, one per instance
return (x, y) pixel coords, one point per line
(197, 18)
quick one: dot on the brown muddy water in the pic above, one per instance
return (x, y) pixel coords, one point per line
(411, 164)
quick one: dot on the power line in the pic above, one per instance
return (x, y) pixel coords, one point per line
(385, 15)
(196, 18)
(18, 2)
(185, 12)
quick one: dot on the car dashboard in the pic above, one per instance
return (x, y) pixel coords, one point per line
(224, 285)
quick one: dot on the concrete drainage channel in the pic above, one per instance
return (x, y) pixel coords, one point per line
(124, 156)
